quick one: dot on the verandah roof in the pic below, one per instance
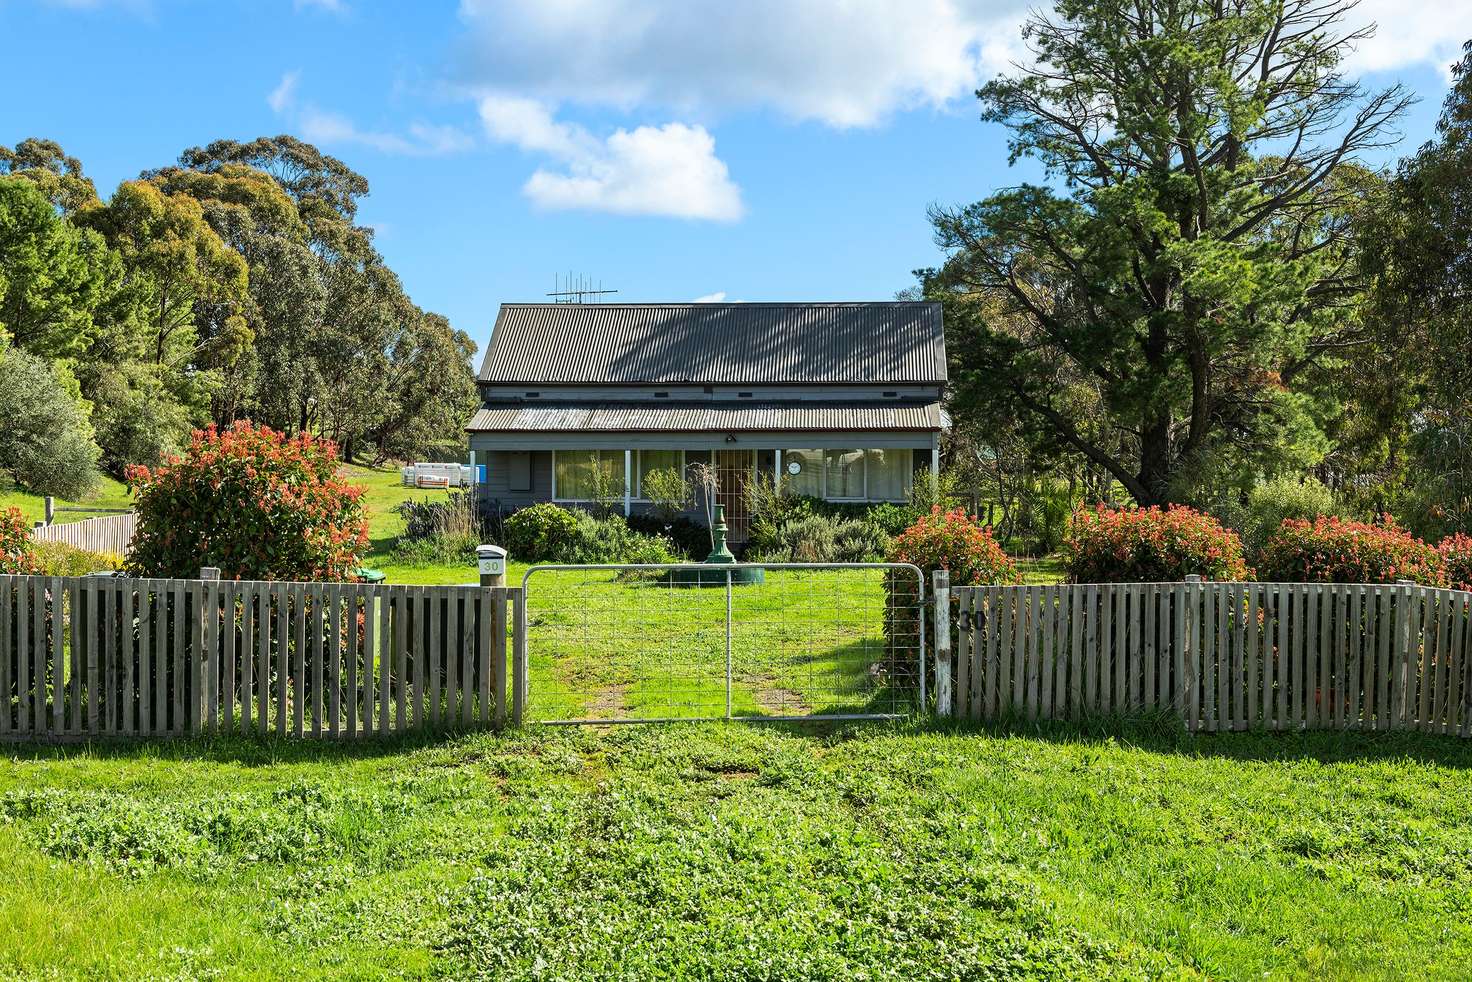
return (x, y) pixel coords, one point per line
(739, 417)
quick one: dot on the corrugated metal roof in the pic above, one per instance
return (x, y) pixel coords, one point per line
(626, 417)
(709, 343)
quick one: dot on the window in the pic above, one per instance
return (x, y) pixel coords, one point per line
(889, 474)
(849, 475)
(587, 475)
(657, 460)
(809, 477)
(845, 472)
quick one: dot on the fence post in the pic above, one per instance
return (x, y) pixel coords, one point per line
(942, 581)
(519, 691)
(204, 655)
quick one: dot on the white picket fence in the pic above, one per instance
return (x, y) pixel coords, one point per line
(110, 533)
(1225, 656)
(103, 656)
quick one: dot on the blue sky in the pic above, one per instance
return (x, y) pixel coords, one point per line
(674, 149)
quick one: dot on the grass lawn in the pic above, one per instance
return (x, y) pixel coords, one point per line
(880, 851)
(108, 493)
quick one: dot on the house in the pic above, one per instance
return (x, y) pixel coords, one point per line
(841, 399)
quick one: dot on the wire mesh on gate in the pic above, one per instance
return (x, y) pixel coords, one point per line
(621, 643)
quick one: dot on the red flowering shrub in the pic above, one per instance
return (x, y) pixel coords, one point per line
(17, 550)
(1336, 550)
(1456, 558)
(254, 503)
(1148, 545)
(954, 541)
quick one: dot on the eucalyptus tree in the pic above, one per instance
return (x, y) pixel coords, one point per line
(1190, 261)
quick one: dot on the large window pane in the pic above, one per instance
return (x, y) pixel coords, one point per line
(656, 460)
(889, 474)
(845, 473)
(578, 474)
(809, 477)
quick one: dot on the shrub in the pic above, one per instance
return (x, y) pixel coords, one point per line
(891, 519)
(45, 437)
(252, 502)
(17, 550)
(1270, 502)
(1456, 558)
(954, 541)
(1335, 550)
(668, 491)
(690, 538)
(60, 559)
(1146, 545)
(539, 532)
(442, 531)
(949, 540)
(546, 533)
(811, 539)
(860, 542)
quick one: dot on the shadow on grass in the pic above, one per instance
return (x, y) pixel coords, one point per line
(1157, 733)
(1165, 733)
(247, 750)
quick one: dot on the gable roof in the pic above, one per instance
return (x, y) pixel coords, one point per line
(717, 343)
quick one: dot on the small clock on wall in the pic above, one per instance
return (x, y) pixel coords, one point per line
(794, 468)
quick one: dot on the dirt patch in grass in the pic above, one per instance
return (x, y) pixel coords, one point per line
(611, 702)
(781, 702)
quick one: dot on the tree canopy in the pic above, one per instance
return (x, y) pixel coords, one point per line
(1159, 308)
(234, 284)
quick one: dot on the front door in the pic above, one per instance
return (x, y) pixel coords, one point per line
(733, 469)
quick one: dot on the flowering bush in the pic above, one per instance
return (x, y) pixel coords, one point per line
(251, 501)
(17, 550)
(1335, 550)
(1456, 558)
(1145, 545)
(949, 540)
(954, 541)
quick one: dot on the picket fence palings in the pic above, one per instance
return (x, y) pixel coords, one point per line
(1016, 641)
(1451, 723)
(1117, 648)
(1052, 680)
(1298, 625)
(962, 646)
(498, 637)
(1272, 663)
(1061, 614)
(1037, 665)
(1386, 631)
(1443, 656)
(492, 670)
(1444, 711)
(991, 673)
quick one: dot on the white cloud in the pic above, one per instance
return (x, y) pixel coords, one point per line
(846, 64)
(1411, 34)
(422, 140)
(667, 170)
(284, 94)
(321, 126)
(841, 62)
(718, 297)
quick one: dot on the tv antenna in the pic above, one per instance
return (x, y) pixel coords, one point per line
(578, 289)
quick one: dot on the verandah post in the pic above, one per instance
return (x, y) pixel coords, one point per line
(942, 585)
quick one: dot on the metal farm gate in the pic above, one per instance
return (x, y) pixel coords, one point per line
(626, 643)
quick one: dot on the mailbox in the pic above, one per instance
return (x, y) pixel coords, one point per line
(492, 561)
